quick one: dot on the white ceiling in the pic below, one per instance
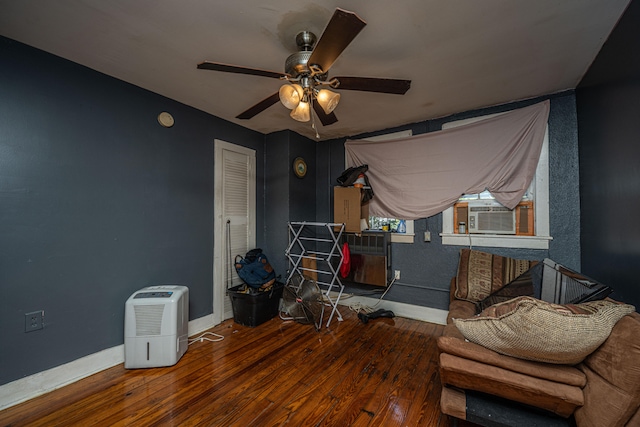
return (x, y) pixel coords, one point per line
(459, 54)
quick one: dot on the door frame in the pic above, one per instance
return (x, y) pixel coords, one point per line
(219, 233)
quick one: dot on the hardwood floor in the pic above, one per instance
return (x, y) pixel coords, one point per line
(384, 373)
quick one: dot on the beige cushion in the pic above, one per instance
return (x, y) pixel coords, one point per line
(531, 329)
(480, 274)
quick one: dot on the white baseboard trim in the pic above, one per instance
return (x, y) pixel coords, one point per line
(200, 324)
(410, 311)
(26, 388)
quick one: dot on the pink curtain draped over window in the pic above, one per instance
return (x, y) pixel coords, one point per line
(422, 175)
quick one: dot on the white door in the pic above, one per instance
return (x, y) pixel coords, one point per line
(235, 219)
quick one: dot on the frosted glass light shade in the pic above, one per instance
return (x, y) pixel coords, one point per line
(301, 112)
(290, 95)
(328, 100)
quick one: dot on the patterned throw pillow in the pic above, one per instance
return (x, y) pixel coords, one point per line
(480, 273)
(531, 329)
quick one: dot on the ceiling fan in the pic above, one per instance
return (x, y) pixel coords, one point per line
(306, 72)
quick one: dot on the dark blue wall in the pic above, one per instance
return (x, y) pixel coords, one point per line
(96, 201)
(288, 198)
(277, 200)
(427, 267)
(608, 100)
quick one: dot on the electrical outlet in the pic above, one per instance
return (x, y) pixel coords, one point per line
(33, 321)
(397, 274)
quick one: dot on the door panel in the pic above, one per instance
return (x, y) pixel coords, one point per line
(235, 219)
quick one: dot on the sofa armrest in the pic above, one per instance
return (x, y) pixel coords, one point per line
(612, 394)
(459, 309)
(563, 374)
(452, 331)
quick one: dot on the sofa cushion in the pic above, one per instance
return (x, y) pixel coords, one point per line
(564, 374)
(480, 273)
(532, 329)
(459, 309)
(561, 399)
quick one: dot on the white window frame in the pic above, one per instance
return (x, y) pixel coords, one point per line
(407, 237)
(541, 206)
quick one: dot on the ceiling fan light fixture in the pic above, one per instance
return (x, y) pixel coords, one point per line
(291, 95)
(302, 112)
(306, 73)
(328, 100)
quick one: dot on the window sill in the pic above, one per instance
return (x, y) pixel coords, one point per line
(496, 241)
(402, 237)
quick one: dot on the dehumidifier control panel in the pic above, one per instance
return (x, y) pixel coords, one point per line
(153, 295)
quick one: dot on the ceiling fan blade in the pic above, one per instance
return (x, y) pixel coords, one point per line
(259, 107)
(216, 66)
(343, 27)
(325, 119)
(371, 84)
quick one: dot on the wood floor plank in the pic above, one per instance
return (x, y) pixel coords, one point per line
(419, 362)
(363, 383)
(261, 382)
(380, 379)
(299, 367)
(321, 371)
(312, 404)
(280, 373)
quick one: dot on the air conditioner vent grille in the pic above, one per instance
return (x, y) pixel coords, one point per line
(487, 217)
(489, 209)
(496, 221)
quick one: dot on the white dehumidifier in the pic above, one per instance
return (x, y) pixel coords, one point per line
(156, 322)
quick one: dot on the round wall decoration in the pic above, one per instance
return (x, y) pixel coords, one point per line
(299, 167)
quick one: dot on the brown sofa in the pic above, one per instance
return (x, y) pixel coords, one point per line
(489, 388)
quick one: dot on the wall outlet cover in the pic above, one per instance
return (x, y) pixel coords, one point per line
(33, 321)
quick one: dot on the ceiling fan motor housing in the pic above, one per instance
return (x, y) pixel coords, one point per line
(306, 40)
(296, 63)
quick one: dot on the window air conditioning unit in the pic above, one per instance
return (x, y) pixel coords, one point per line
(156, 326)
(490, 217)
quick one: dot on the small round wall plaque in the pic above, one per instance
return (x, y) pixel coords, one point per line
(299, 167)
(165, 119)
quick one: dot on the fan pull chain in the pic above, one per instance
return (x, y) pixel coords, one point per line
(313, 119)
